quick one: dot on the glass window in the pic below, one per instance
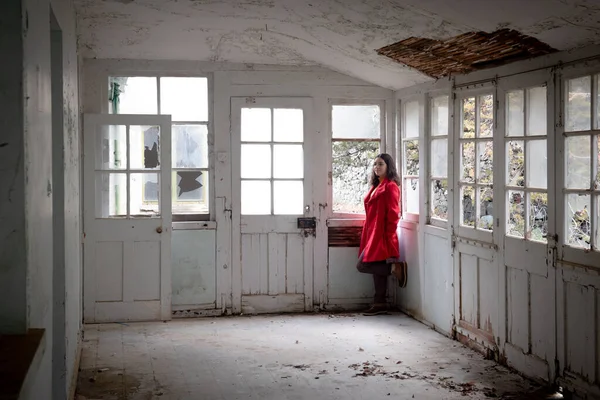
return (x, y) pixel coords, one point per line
(356, 132)
(411, 128)
(438, 158)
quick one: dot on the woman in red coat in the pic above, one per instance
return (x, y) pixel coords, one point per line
(379, 250)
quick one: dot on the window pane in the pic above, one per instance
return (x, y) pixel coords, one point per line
(144, 147)
(578, 222)
(411, 119)
(537, 164)
(288, 125)
(439, 195)
(577, 151)
(467, 165)
(439, 158)
(485, 153)
(515, 225)
(467, 206)
(111, 195)
(597, 101)
(597, 222)
(486, 115)
(579, 104)
(256, 197)
(486, 208)
(185, 99)
(288, 161)
(515, 116)
(190, 146)
(288, 197)
(256, 161)
(515, 163)
(411, 157)
(256, 125)
(133, 95)
(439, 116)
(597, 180)
(536, 111)
(190, 192)
(111, 147)
(144, 195)
(411, 189)
(356, 122)
(352, 163)
(468, 118)
(537, 227)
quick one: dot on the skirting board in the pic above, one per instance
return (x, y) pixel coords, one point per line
(265, 304)
(75, 376)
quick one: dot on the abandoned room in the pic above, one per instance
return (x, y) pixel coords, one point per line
(184, 186)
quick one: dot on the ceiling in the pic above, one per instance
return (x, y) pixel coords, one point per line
(341, 35)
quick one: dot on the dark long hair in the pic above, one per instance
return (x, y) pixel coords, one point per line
(392, 172)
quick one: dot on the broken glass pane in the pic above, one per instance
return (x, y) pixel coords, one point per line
(144, 147)
(439, 195)
(485, 219)
(486, 115)
(578, 217)
(356, 122)
(579, 104)
(467, 206)
(190, 194)
(190, 146)
(184, 98)
(537, 227)
(515, 225)
(515, 163)
(111, 145)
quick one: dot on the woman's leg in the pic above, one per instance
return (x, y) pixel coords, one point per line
(380, 271)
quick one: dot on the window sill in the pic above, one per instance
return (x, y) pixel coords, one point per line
(194, 226)
(342, 222)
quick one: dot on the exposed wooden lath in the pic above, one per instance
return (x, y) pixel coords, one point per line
(465, 53)
(344, 236)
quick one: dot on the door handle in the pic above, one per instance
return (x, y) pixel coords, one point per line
(159, 229)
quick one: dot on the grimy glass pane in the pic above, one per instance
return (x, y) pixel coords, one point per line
(439, 158)
(256, 161)
(515, 163)
(467, 164)
(411, 189)
(578, 220)
(579, 166)
(579, 104)
(485, 162)
(467, 206)
(411, 119)
(356, 122)
(111, 147)
(485, 219)
(439, 196)
(288, 161)
(537, 227)
(256, 197)
(288, 125)
(288, 197)
(411, 157)
(439, 116)
(184, 98)
(144, 147)
(537, 123)
(486, 115)
(468, 118)
(190, 192)
(144, 193)
(256, 125)
(515, 115)
(111, 195)
(133, 95)
(190, 146)
(515, 224)
(352, 166)
(537, 164)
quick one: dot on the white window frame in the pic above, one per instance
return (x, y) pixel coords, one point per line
(407, 216)
(382, 145)
(567, 253)
(178, 218)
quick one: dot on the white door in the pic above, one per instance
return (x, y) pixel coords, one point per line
(272, 189)
(127, 211)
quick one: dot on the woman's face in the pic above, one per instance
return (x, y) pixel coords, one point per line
(379, 167)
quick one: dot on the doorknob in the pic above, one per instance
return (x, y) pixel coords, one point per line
(159, 229)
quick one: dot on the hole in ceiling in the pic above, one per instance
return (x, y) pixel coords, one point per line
(465, 53)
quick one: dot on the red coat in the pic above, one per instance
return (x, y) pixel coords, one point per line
(379, 239)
